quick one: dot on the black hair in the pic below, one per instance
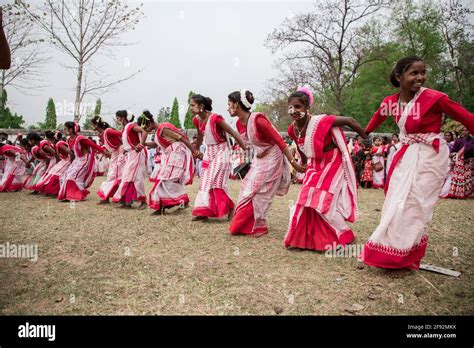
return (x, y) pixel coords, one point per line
(58, 135)
(34, 136)
(49, 134)
(367, 142)
(402, 65)
(396, 134)
(301, 96)
(145, 119)
(4, 134)
(124, 114)
(205, 101)
(24, 142)
(72, 125)
(97, 120)
(235, 98)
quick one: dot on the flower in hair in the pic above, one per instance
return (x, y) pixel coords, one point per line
(306, 91)
(243, 99)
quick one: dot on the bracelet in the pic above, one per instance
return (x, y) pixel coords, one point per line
(293, 161)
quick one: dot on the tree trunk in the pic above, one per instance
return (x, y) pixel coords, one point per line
(77, 103)
(338, 101)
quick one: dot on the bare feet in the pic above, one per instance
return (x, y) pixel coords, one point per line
(231, 214)
(103, 202)
(142, 206)
(258, 235)
(199, 218)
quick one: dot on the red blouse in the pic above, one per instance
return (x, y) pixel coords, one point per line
(113, 137)
(202, 126)
(266, 133)
(431, 119)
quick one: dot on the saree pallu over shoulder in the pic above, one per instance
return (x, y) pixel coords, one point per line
(114, 174)
(80, 175)
(133, 173)
(31, 180)
(213, 199)
(328, 195)
(415, 178)
(269, 175)
(329, 173)
(176, 170)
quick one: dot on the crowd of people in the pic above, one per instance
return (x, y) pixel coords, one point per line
(412, 166)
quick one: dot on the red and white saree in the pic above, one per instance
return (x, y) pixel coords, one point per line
(328, 195)
(176, 171)
(269, 175)
(52, 182)
(213, 199)
(43, 181)
(157, 166)
(79, 176)
(414, 179)
(14, 169)
(113, 143)
(132, 184)
(42, 163)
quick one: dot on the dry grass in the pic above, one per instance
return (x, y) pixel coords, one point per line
(175, 266)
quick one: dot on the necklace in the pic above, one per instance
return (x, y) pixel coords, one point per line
(298, 135)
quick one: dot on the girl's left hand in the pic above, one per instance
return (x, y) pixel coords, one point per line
(299, 168)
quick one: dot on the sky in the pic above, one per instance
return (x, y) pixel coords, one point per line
(210, 47)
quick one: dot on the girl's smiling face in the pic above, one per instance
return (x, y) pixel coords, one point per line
(413, 78)
(232, 108)
(297, 109)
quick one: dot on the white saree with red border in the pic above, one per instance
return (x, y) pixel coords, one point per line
(414, 181)
(176, 171)
(114, 173)
(132, 184)
(79, 175)
(13, 171)
(213, 198)
(269, 175)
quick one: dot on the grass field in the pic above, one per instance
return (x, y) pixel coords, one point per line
(102, 260)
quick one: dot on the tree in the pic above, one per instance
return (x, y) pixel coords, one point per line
(460, 65)
(188, 118)
(174, 118)
(28, 55)
(328, 47)
(163, 115)
(7, 119)
(90, 115)
(417, 32)
(277, 112)
(98, 107)
(82, 29)
(50, 121)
